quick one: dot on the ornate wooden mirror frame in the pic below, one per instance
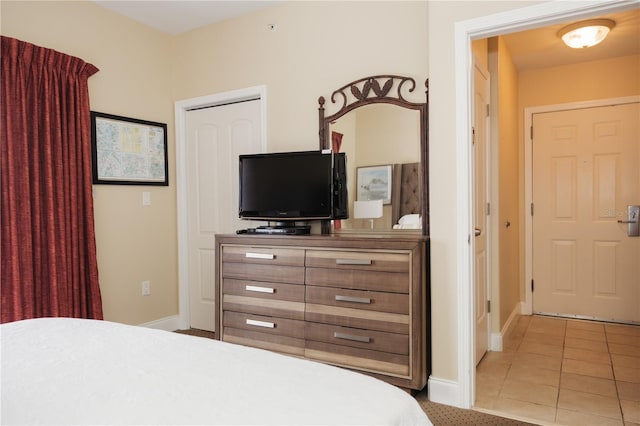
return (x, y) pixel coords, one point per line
(379, 89)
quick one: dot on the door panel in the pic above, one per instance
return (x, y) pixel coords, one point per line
(585, 173)
(481, 223)
(216, 136)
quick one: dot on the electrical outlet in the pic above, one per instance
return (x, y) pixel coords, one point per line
(146, 288)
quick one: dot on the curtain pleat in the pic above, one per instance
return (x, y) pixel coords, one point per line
(49, 265)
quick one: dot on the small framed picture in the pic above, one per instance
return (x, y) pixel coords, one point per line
(374, 183)
(128, 151)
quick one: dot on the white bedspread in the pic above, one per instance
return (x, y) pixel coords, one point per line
(70, 371)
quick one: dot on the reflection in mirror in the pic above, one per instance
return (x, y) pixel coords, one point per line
(385, 138)
(376, 135)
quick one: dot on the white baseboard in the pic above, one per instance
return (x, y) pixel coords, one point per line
(511, 321)
(444, 391)
(171, 323)
(525, 308)
(497, 338)
(495, 342)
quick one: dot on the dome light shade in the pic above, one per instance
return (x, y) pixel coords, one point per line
(586, 33)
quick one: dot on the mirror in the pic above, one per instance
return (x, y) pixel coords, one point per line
(384, 137)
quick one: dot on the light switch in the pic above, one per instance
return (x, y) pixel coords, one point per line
(146, 198)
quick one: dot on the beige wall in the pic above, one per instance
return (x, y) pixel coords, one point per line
(316, 47)
(581, 82)
(134, 243)
(443, 174)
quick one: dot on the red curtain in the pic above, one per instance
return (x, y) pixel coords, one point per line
(49, 265)
(336, 141)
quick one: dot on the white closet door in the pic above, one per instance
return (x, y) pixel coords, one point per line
(216, 136)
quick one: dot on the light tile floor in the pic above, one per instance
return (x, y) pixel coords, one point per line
(564, 372)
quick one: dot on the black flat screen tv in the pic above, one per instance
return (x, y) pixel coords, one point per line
(291, 186)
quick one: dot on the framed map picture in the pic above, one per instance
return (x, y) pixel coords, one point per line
(128, 151)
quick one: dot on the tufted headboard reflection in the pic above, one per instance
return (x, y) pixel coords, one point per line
(406, 191)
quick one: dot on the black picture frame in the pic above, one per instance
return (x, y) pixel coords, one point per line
(128, 151)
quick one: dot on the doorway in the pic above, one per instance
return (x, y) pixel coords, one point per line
(537, 16)
(550, 367)
(216, 137)
(182, 170)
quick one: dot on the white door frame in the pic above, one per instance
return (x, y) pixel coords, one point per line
(527, 308)
(180, 111)
(525, 18)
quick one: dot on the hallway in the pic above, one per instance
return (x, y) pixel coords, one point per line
(565, 372)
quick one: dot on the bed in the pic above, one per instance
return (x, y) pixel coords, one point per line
(73, 371)
(406, 205)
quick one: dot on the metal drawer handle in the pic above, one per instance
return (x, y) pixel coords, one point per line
(258, 289)
(354, 261)
(353, 299)
(346, 336)
(268, 256)
(257, 323)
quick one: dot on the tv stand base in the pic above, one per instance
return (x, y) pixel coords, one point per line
(277, 230)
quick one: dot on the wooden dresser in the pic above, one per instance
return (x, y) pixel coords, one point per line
(360, 302)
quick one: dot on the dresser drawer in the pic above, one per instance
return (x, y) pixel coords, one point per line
(359, 359)
(276, 334)
(264, 290)
(357, 318)
(358, 338)
(358, 299)
(263, 273)
(366, 261)
(271, 342)
(264, 324)
(396, 282)
(271, 299)
(263, 255)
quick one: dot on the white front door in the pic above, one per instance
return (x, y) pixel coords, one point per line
(215, 137)
(585, 174)
(480, 197)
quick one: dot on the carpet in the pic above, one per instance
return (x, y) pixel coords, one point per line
(446, 415)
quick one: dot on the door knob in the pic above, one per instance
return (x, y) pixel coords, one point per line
(633, 221)
(478, 232)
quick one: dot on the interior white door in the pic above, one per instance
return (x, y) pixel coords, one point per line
(585, 174)
(216, 136)
(481, 222)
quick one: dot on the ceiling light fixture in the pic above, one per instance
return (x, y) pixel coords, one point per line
(586, 33)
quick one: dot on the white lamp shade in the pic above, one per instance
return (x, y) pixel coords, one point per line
(587, 33)
(367, 209)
